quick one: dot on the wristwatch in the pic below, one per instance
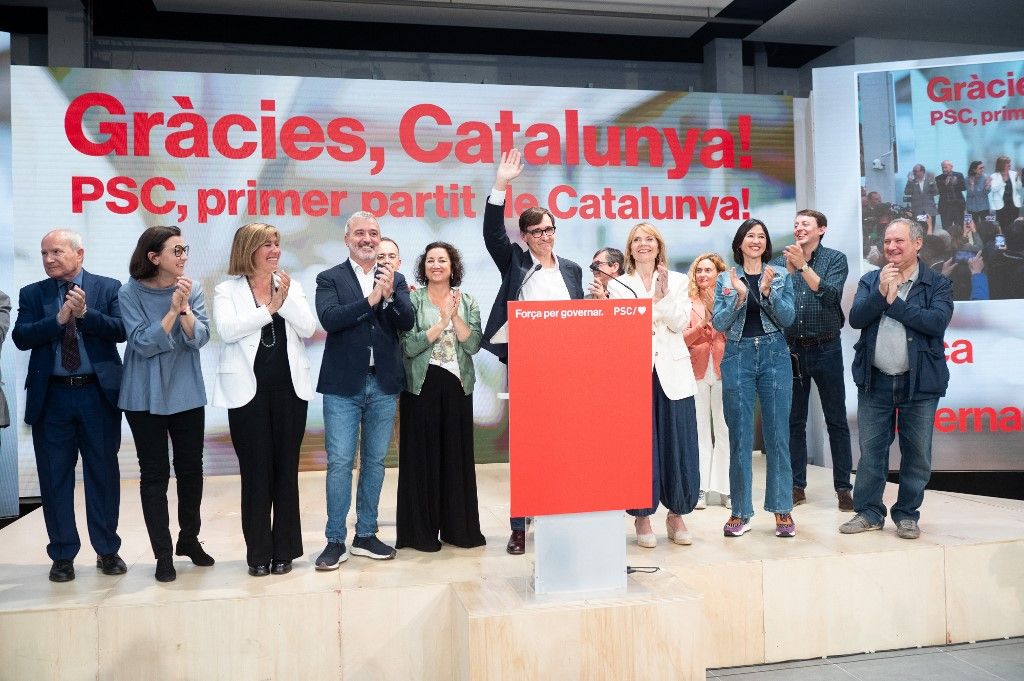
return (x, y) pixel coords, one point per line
(801, 270)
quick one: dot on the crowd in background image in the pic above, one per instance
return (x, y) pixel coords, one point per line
(973, 232)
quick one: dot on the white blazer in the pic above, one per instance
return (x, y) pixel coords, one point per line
(239, 322)
(671, 315)
(998, 186)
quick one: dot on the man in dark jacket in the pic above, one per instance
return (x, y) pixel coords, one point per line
(533, 273)
(364, 305)
(71, 321)
(900, 370)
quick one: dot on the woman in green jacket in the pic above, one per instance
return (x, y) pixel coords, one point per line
(436, 467)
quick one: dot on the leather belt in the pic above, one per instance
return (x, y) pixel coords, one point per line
(813, 341)
(73, 381)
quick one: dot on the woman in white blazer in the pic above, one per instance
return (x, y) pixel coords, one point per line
(675, 451)
(1004, 193)
(263, 380)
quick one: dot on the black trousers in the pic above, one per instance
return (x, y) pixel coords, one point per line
(151, 432)
(267, 435)
(436, 467)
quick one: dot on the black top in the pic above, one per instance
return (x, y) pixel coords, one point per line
(271, 363)
(752, 324)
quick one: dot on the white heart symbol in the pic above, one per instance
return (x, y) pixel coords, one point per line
(642, 309)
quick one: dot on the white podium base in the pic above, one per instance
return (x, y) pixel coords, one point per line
(579, 552)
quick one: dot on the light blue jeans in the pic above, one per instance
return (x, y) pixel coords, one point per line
(882, 410)
(758, 367)
(373, 412)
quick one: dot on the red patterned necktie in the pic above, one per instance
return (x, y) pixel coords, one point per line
(70, 358)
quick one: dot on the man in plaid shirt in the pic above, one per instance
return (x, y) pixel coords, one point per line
(819, 274)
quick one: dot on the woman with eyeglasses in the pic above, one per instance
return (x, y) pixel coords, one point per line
(707, 345)
(162, 391)
(676, 475)
(752, 308)
(263, 380)
(436, 467)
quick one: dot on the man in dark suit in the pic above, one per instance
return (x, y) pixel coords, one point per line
(71, 322)
(5, 324)
(951, 188)
(364, 305)
(535, 273)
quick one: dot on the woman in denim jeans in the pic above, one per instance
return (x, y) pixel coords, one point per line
(752, 308)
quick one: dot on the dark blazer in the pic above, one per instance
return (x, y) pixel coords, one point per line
(925, 314)
(5, 324)
(951, 194)
(36, 329)
(353, 327)
(514, 263)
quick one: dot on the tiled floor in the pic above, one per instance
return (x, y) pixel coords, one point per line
(986, 661)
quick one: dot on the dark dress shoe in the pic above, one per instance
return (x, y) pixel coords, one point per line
(111, 564)
(845, 500)
(63, 570)
(261, 570)
(194, 552)
(165, 571)
(281, 567)
(517, 543)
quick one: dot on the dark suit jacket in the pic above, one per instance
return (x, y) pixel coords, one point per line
(514, 264)
(5, 324)
(951, 195)
(36, 329)
(925, 314)
(353, 327)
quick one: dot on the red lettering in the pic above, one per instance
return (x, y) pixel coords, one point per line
(407, 133)
(116, 140)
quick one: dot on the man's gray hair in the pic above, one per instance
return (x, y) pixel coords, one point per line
(70, 237)
(916, 228)
(360, 215)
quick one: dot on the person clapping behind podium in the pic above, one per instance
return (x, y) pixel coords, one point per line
(263, 380)
(607, 265)
(676, 475)
(752, 309)
(162, 391)
(436, 466)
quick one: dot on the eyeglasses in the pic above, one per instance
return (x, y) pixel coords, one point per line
(179, 251)
(539, 232)
(381, 257)
(598, 263)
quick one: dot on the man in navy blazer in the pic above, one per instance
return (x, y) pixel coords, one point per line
(535, 273)
(71, 321)
(364, 305)
(900, 370)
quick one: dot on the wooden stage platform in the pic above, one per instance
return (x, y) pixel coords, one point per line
(470, 614)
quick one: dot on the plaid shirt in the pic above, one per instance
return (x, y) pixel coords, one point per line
(818, 313)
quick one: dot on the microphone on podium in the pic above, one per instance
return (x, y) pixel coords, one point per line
(536, 268)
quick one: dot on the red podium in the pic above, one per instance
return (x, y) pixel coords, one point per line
(580, 417)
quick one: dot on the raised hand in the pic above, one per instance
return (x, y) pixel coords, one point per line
(509, 167)
(597, 289)
(737, 283)
(661, 286)
(794, 257)
(278, 297)
(179, 299)
(767, 277)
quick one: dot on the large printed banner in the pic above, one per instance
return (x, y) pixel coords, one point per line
(109, 153)
(932, 136)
